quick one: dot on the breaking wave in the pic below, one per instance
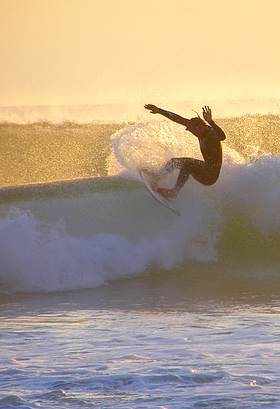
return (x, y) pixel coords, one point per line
(82, 233)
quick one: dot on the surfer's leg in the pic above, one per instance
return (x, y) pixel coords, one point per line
(202, 173)
(174, 163)
(188, 166)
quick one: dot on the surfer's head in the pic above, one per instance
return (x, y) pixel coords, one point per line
(196, 126)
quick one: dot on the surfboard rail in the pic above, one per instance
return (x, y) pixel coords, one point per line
(147, 180)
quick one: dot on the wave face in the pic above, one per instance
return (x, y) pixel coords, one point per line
(47, 151)
(81, 233)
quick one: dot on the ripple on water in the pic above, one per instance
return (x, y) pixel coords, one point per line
(12, 401)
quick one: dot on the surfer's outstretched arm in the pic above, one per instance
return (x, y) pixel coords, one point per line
(170, 115)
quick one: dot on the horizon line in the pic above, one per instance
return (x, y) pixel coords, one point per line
(140, 103)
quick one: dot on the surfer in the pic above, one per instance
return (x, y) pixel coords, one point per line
(209, 136)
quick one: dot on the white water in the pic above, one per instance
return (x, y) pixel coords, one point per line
(60, 243)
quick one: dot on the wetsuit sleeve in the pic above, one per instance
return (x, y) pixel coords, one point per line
(174, 117)
(219, 133)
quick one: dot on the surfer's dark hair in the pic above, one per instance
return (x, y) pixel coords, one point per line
(197, 121)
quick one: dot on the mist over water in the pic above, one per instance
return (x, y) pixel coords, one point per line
(123, 112)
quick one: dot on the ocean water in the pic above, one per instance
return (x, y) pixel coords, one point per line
(109, 300)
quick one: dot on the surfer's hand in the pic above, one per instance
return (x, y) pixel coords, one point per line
(153, 108)
(207, 114)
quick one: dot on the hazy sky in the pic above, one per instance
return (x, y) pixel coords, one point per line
(92, 51)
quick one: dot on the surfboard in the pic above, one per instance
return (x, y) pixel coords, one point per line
(148, 183)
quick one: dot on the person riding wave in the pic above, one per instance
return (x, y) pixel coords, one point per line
(209, 135)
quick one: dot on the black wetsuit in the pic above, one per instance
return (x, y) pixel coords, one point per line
(207, 171)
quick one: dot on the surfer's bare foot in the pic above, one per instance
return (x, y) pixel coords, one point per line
(167, 193)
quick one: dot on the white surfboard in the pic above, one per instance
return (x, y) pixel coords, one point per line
(148, 182)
